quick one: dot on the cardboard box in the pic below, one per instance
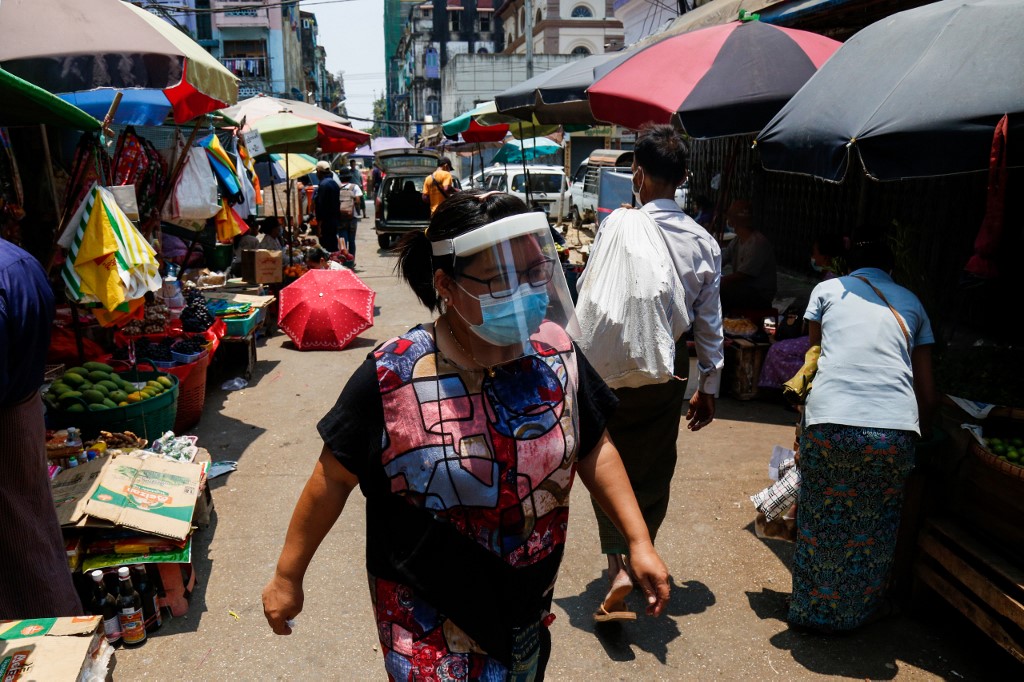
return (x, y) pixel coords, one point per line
(260, 266)
(152, 495)
(52, 649)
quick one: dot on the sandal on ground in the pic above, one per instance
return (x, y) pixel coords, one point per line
(605, 616)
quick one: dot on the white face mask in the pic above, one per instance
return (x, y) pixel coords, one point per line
(636, 189)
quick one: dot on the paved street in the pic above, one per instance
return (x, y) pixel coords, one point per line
(725, 619)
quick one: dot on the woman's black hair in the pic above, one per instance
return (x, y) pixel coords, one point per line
(462, 212)
(661, 152)
(870, 254)
(316, 254)
(268, 224)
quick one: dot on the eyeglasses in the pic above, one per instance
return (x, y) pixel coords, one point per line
(504, 284)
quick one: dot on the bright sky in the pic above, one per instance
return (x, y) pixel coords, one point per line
(352, 32)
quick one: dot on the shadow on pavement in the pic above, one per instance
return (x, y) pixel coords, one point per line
(355, 344)
(756, 411)
(652, 635)
(780, 548)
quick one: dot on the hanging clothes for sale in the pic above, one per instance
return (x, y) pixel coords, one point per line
(249, 163)
(109, 262)
(247, 206)
(224, 168)
(229, 224)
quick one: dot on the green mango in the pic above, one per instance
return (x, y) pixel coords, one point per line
(109, 385)
(98, 366)
(93, 396)
(97, 376)
(96, 407)
(76, 407)
(73, 379)
(77, 370)
(108, 403)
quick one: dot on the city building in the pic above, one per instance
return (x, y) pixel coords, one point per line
(470, 79)
(321, 87)
(434, 33)
(577, 27)
(641, 18)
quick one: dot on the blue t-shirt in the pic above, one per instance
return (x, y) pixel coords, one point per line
(864, 374)
(26, 313)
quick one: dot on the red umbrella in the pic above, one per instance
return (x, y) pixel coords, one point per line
(325, 309)
(722, 80)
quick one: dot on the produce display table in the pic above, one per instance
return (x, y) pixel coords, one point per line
(239, 349)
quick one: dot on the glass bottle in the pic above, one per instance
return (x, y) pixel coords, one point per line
(129, 607)
(147, 592)
(103, 604)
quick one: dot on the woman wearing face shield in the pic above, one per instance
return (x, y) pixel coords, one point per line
(465, 436)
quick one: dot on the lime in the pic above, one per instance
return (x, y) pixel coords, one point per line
(1013, 455)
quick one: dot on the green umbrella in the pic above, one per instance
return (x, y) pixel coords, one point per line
(287, 132)
(486, 114)
(27, 104)
(517, 151)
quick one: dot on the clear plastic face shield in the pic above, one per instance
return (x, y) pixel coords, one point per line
(512, 291)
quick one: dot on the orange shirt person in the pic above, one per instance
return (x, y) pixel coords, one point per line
(439, 185)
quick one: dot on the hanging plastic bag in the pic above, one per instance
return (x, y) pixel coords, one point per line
(631, 306)
(195, 195)
(248, 205)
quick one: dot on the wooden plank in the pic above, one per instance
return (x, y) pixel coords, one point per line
(988, 592)
(997, 562)
(974, 613)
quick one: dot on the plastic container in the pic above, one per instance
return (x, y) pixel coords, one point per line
(218, 257)
(241, 326)
(148, 419)
(187, 358)
(163, 364)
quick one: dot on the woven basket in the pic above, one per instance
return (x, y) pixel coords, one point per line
(989, 459)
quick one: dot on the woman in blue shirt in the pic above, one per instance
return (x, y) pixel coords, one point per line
(872, 398)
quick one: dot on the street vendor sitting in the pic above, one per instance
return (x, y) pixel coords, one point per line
(751, 282)
(270, 228)
(319, 259)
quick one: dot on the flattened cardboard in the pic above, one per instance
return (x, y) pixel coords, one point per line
(56, 649)
(72, 487)
(152, 495)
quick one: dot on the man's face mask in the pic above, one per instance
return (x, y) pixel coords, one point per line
(511, 319)
(637, 187)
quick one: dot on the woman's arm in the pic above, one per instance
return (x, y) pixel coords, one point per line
(605, 477)
(318, 508)
(814, 332)
(924, 387)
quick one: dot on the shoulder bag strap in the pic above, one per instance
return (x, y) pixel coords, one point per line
(899, 318)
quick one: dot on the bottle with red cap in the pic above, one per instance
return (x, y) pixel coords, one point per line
(129, 608)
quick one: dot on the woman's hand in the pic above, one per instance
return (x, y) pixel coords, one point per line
(651, 576)
(282, 602)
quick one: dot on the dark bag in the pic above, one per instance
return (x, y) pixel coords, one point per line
(498, 605)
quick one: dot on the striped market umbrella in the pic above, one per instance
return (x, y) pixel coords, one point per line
(722, 80)
(87, 51)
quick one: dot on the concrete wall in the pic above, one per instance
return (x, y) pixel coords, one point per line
(472, 78)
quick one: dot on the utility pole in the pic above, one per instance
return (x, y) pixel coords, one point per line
(528, 29)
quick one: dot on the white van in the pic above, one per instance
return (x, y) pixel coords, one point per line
(549, 188)
(586, 180)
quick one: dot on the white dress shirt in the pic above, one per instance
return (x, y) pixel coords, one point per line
(698, 260)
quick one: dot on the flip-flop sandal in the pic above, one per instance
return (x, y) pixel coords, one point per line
(605, 616)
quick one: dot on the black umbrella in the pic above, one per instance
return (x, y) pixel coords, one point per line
(558, 95)
(916, 94)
